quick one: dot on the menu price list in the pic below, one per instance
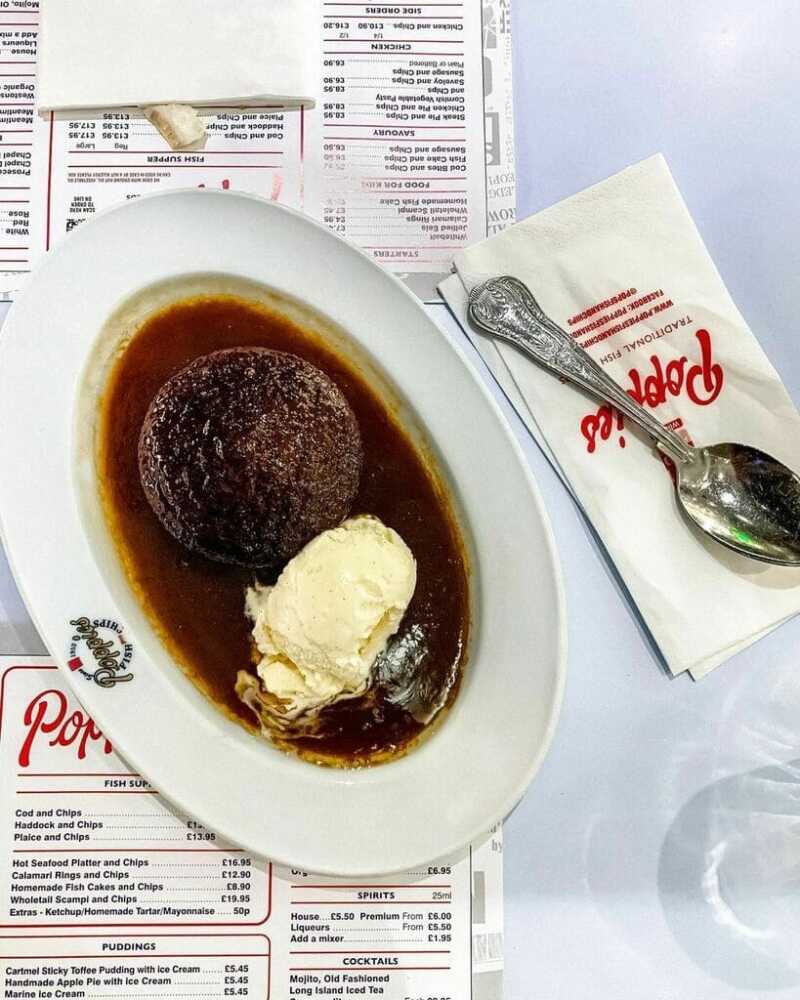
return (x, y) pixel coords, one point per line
(396, 925)
(19, 33)
(106, 891)
(401, 131)
(94, 164)
(94, 967)
(48, 889)
(404, 152)
(90, 841)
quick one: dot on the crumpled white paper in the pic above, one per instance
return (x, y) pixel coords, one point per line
(625, 256)
(119, 53)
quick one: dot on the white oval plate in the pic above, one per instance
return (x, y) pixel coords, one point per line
(468, 774)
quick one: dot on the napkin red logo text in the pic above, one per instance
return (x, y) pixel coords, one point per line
(48, 719)
(700, 381)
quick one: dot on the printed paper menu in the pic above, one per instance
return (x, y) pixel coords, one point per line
(408, 153)
(106, 891)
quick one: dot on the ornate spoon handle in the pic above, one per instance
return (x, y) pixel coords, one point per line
(506, 308)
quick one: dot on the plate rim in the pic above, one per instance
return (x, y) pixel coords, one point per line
(534, 763)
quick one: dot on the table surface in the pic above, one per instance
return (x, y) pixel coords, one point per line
(657, 854)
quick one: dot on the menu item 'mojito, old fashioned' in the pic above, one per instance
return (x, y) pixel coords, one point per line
(233, 443)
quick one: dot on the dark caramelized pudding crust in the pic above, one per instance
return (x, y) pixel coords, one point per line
(246, 454)
(197, 605)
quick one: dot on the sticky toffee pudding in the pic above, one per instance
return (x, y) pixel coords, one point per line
(192, 585)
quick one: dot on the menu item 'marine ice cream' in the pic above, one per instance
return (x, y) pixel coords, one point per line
(331, 613)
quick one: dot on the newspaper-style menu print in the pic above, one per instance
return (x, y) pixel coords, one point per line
(408, 153)
(106, 891)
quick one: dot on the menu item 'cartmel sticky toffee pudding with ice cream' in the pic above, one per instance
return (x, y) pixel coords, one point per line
(291, 544)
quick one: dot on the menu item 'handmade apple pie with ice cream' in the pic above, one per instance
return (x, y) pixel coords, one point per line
(290, 541)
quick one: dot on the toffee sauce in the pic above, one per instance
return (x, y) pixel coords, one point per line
(197, 606)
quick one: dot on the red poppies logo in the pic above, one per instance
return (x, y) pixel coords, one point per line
(99, 651)
(700, 381)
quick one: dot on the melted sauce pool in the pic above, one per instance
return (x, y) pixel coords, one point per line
(197, 606)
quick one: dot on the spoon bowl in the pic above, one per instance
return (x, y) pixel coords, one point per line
(745, 499)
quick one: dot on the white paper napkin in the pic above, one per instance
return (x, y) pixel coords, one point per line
(598, 263)
(121, 53)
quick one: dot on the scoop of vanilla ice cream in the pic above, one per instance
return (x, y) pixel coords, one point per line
(331, 613)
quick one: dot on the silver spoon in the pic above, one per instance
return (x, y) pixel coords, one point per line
(742, 497)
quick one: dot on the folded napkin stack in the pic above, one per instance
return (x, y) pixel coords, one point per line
(622, 267)
(190, 53)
